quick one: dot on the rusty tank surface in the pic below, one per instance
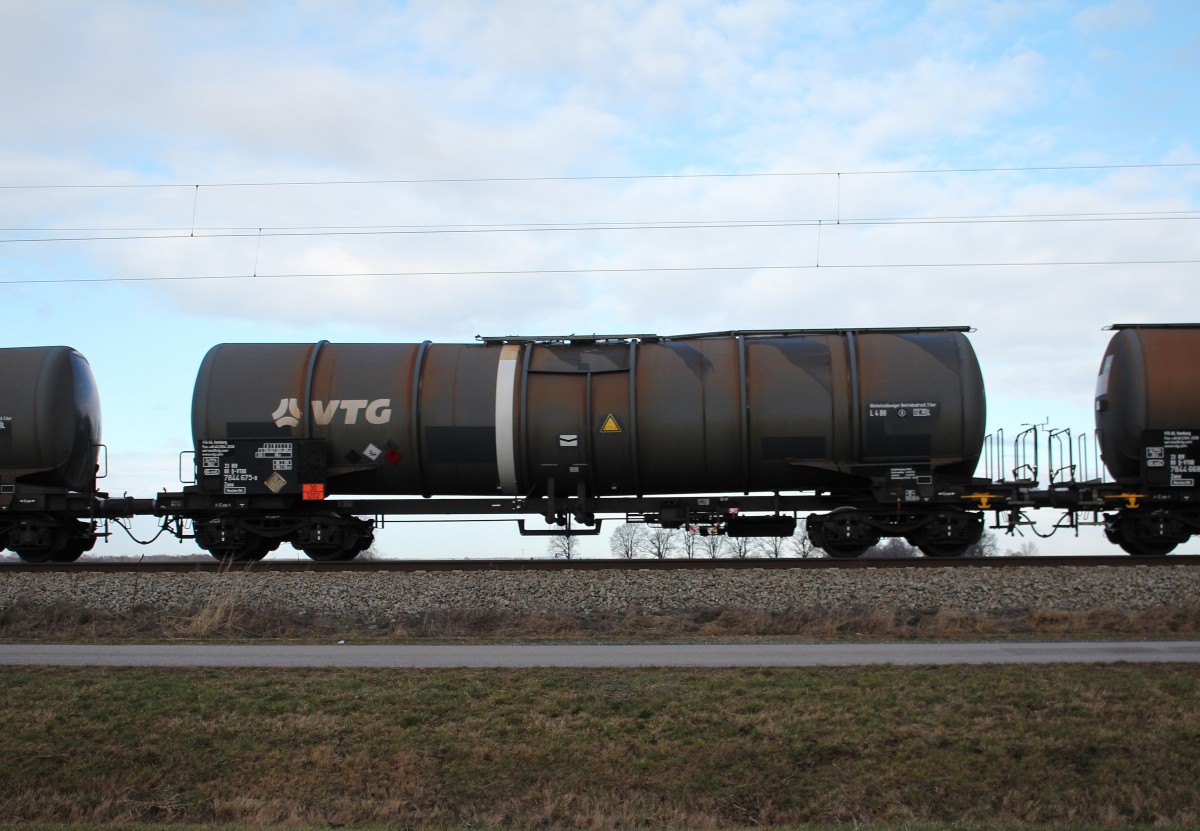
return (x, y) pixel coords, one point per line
(1148, 431)
(1148, 403)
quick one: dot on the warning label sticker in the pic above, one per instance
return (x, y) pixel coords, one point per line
(610, 424)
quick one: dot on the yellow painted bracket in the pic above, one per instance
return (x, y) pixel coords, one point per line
(1131, 499)
(983, 500)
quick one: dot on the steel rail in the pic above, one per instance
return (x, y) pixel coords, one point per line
(265, 566)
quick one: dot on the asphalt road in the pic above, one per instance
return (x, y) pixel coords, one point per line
(599, 655)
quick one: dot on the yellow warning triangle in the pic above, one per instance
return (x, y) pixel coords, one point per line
(610, 424)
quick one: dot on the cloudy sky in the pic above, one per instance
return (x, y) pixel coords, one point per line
(178, 175)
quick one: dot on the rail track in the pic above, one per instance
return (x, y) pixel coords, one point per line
(186, 566)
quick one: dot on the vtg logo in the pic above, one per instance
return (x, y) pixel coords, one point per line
(379, 411)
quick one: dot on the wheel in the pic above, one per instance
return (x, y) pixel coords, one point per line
(33, 555)
(83, 538)
(1137, 536)
(72, 550)
(39, 540)
(845, 551)
(350, 547)
(842, 533)
(333, 538)
(249, 550)
(948, 534)
(229, 541)
(943, 549)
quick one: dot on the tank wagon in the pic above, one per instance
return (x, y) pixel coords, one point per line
(49, 453)
(1148, 431)
(887, 423)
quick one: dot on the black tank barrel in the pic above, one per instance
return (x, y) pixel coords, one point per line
(49, 418)
(1148, 404)
(607, 415)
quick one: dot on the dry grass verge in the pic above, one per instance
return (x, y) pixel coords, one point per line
(1064, 746)
(231, 619)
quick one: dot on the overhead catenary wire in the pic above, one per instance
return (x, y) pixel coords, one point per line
(604, 177)
(233, 232)
(584, 271)
(83, 234)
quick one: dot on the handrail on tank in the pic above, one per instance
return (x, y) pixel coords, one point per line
(993, 455)
(1097, 463)
(101, 460)
(1002, 449)
(182, 480)
(733, 333)
(1025, 439)
(1053, 438)
(572, 338)
(1116, 327)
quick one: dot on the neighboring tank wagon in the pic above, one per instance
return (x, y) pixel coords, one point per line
(49, 419)
(49, 446)
(1148, 431)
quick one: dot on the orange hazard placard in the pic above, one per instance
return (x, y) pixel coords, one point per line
(610, 424)
(314, 492)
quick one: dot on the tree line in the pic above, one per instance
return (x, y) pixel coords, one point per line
(639, 540)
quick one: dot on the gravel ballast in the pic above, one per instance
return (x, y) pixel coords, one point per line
(378, 596)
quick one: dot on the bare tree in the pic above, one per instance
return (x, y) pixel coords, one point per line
(1027, 548)
(739, 547)
(713, 545)
(892, 548)
(660, 542)
(563, 547)
(370, 553)
(773, 547)
(802, 546)
(689, 542)
(986, 547)
(628, 540)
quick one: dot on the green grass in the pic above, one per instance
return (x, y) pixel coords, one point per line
(1001, 747)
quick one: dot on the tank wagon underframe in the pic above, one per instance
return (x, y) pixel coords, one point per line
(844, 525)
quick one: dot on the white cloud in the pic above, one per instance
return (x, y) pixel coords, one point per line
(1116, 15)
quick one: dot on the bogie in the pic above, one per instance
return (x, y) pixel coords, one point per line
(1142, 533)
